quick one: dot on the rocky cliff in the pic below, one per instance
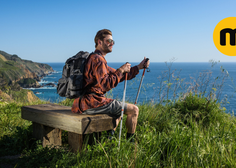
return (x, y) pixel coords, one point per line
(13, 69)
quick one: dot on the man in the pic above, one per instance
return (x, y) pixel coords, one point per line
(100, 78)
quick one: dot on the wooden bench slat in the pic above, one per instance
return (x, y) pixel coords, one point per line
(49, 119)
(61, 117)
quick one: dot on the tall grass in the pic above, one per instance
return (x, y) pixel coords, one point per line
(172, 87)
(178, 135)
(191, 130)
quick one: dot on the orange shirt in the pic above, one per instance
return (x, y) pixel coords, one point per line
(102, 78)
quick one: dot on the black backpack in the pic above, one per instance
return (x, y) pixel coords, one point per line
(71, 83)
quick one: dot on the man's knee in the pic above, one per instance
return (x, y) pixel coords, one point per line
(133, 110)
(136, 110)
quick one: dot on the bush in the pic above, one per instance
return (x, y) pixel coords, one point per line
(67, 102)
(27, 81)
(197, 108)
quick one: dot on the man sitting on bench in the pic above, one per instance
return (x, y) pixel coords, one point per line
(102, 78)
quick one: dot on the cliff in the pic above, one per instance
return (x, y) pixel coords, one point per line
(13, 69)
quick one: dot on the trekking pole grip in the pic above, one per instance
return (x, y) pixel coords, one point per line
(148, 70)
(144, 67)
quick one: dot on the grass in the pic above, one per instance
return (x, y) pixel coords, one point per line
(190, 129)
(177, 135)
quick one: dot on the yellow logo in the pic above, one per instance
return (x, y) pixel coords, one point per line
(224, 36)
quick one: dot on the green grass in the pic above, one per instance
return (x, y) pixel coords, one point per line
(191, 129)
(193, 132)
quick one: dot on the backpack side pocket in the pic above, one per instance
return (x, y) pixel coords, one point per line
(62, 87)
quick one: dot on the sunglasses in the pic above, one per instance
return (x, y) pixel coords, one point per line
(110, 41)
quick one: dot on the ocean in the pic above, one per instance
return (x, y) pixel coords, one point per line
(178, 77)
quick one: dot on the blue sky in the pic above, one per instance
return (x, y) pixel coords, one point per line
(53, 30)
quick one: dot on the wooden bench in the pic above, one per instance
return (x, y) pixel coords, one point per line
(49, 119)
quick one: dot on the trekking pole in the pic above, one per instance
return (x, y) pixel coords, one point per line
(123, 106)
(141, 82)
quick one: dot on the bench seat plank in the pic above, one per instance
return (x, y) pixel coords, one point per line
(61, 117)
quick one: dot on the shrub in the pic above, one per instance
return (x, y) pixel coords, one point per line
(27, 81)
(197, 108)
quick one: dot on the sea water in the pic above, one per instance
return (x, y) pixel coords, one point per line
(178, 77)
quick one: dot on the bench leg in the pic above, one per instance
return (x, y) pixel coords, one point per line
(48, 135)
(75, 141)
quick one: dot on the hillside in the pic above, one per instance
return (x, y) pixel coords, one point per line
(14, 69)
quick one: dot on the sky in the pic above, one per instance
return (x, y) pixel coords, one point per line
(54, 30)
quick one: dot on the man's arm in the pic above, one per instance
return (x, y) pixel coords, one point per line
(132, 72)
(106, 78)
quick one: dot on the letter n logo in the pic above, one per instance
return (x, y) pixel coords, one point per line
(223, 36)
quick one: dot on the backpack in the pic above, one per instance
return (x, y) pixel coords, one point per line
(71, 83)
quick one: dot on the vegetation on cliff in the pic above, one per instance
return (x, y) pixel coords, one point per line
(28, 83)
(18, 95)
(16, 73)
(13, 69)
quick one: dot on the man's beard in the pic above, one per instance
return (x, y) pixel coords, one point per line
(106, 49)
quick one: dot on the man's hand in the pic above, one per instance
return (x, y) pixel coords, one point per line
(125, 68)
(144, 64)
